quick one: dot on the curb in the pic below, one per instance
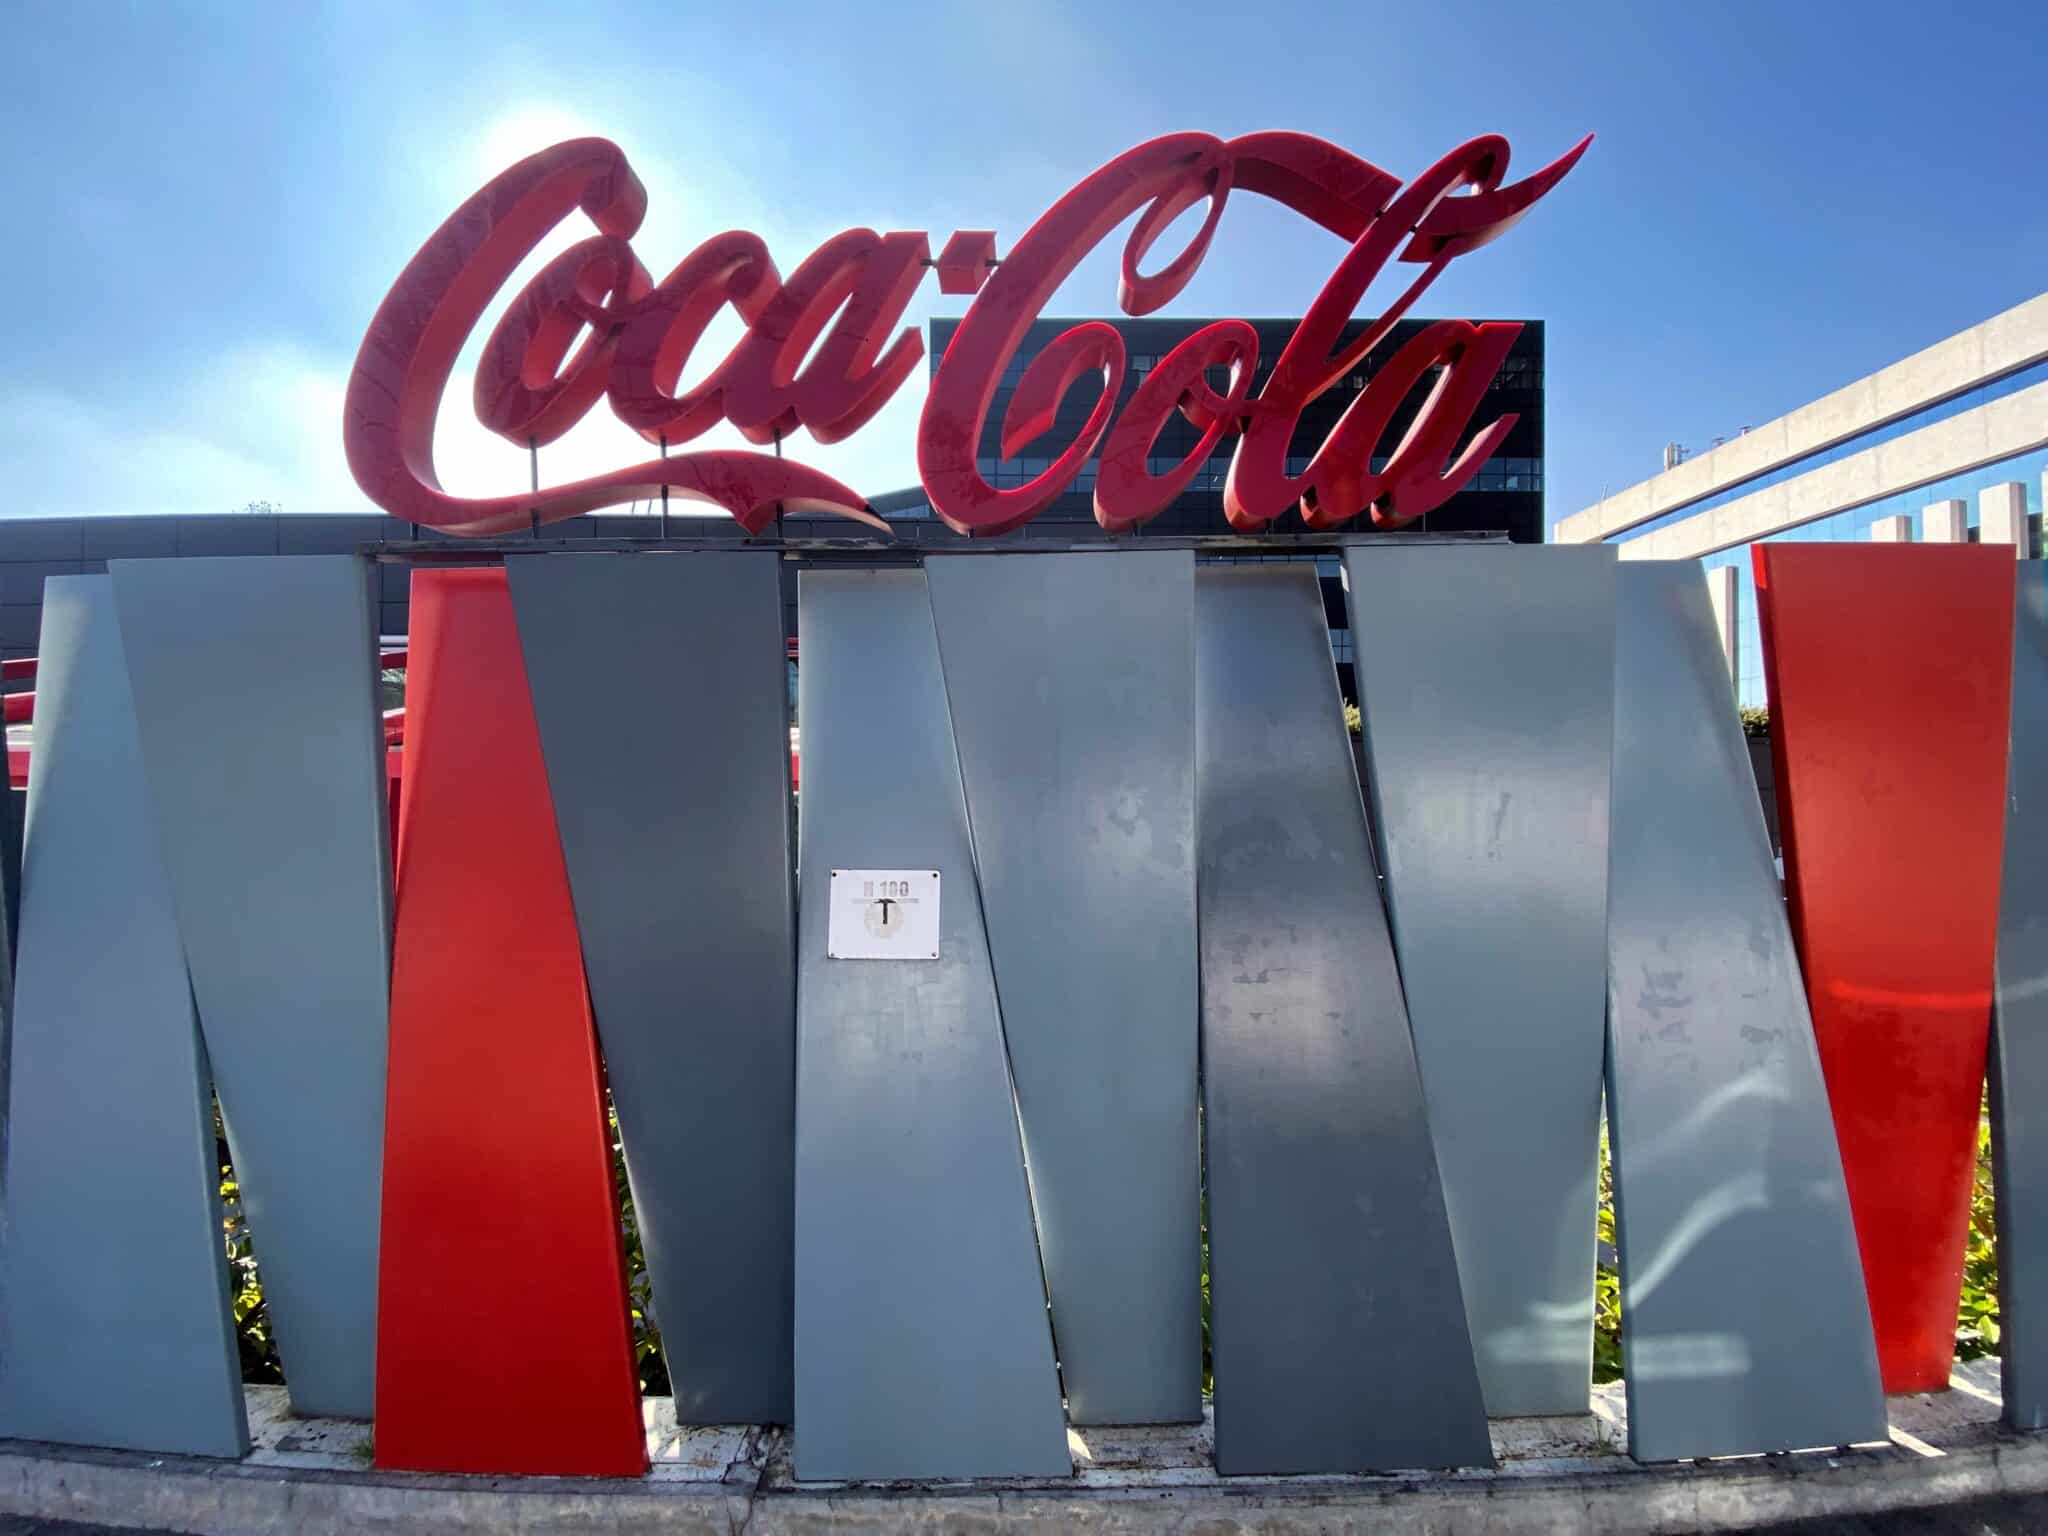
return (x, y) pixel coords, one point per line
(234, 1499)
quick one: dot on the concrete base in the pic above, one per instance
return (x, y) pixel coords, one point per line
(312, 1477)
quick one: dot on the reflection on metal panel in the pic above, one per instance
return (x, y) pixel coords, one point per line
(1071, 681)
(1891, 770)
(115, 1329)
(922, 1348)
(1726, 1176)
(266, 773)
(2019, 1098)
(1486, 680)
(659, 686)
(1334, 1289)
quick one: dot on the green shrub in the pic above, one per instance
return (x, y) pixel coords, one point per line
(1977, 1317)
(647, 1355)
(253, 1339)
(1606, 1277)
(1976, 1322)
(1976, 1314)
(258, 1346)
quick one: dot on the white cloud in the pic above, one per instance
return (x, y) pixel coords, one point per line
(263, 424)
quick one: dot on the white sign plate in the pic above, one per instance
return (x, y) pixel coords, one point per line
(883, 914)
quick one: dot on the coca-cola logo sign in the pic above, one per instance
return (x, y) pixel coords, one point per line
(817, 352)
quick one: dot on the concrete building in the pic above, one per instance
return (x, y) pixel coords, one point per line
(1949, 445)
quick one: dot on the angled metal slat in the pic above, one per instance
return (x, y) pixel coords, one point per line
(502, 1277)
(660, 687)
(1726, 1175)
(1485, 677)
(1333, 1285)
(1071, 684)
(260, 732)
(922, 1347)
(2019, 1034)
(1891, 765)
(115, 1329)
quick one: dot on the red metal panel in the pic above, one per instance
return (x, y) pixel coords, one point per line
(502, 1341)
(1889, 670)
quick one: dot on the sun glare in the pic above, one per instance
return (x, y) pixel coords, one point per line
(516, 135)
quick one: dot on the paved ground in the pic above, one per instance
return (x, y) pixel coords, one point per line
(1980, 1517)
(1552, 1474)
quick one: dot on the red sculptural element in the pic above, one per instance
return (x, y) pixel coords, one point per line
(501, 1279)
(1891, 787)
(965, 262)
(817, 352)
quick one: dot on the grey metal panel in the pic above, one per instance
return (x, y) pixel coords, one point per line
(1486, 679)
(324, 533)
(43, 538)
(2019, 1037)
(114, 1326)
(255, 683)
(1071, 680)
(1727, 1181)
(214, 535)
(660, 684)
(21, 581)
(922, 1348)
(146, 535)
(19, 625)
(1335, 1318)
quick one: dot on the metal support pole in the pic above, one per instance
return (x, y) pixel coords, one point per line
(664, 492)
(533, 460)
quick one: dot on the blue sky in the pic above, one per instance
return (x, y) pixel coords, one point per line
(206, 202)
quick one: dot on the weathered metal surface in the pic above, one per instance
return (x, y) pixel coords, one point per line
(922, 1348)
(1486, 680)
(661, 689)
(256, 694)
(1333, 1286)
(2019, 1035)
(1889, 667)
(1726, 1175)
(1071, 681)
(114, 1326)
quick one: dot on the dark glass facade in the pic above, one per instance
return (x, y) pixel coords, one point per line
(1506, 497)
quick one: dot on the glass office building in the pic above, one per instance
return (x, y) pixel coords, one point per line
(1505, 497)
(1949, 445)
